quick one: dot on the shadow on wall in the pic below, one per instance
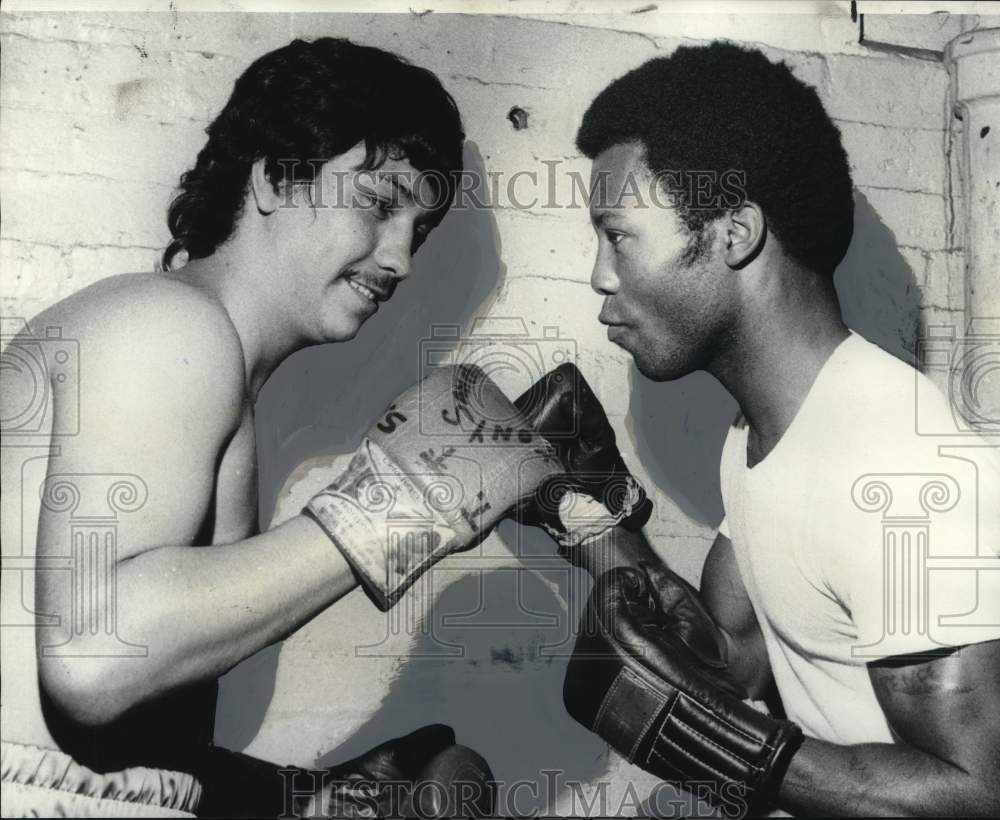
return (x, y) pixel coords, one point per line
(878, 294)
(492, 665)
(322, 400)
(493, 662)
(679, 427)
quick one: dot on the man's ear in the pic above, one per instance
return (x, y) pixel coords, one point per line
(265, 194)
(745, 234)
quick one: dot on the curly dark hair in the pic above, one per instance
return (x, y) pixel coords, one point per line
(313, 100)
(722, 107)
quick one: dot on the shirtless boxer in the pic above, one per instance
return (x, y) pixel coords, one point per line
(155, 429)
(880, 719)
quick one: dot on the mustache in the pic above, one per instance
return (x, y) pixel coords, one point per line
(381, 284)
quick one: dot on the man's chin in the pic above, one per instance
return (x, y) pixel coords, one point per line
(659, 371)
(341, 331)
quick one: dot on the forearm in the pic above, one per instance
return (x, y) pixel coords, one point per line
(748, 662)
(198, 611)
(881, 779)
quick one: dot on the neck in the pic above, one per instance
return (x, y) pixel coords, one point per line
(266, 335)
(786, 331)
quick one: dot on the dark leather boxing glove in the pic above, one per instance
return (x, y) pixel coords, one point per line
(379, 783)
(565, 411)
(423, 775)
(649, 675)
(457, 783)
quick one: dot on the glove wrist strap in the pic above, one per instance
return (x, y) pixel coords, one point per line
(383, 523)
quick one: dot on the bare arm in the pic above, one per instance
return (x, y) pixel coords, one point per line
(161, 403)
(945, 714)
(726, 598)
(198, 612)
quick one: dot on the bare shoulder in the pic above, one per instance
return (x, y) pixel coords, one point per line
(143, 312)
(141, 336)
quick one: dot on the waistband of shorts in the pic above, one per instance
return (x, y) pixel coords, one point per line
(27, 765)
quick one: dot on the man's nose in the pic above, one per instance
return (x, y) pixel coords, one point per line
(603, 278)
(393, 254)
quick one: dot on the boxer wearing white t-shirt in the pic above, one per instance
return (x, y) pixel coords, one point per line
(812, 550)
(857, 565)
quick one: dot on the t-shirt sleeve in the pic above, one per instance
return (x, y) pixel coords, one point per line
(897, 612)
(733, 455)
(925, 582)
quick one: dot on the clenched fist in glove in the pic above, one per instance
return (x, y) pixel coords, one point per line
(447, 460)
(423, 774)
(596, 490)
(649, 675)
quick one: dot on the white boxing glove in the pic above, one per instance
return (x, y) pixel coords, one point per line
(447, 460)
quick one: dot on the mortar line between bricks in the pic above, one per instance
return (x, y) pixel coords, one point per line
(91, 246)
(650, 38)
(664, 41)
(546, 277)
(86, 175)
(128, 46)
(505, 84)
(538, 212)
(866, 186)
(889, 127)
(29, 15)
(181, 118)
(660, 42)
(948, 249)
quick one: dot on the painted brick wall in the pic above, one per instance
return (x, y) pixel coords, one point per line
(101, 113)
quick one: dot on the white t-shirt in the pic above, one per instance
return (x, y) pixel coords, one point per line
(861, 536)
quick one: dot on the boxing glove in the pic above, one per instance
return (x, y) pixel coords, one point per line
(447, 460)
(457, 783)
(562, 407)
(649, 675)
(423, 775)
(379, 783)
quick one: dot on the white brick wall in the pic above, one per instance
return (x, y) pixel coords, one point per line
(102, 112)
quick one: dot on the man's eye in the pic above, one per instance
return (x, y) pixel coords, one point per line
(420, 233)
(614, 237)
(380, 206)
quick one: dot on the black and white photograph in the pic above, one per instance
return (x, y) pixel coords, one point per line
(499, 408)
